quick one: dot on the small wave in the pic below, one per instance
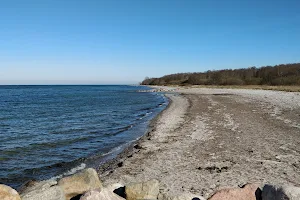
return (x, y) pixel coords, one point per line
(70, 172)
(67, 131)
(4, 125)
(148, 113)
(144, 115)
(120, 130)
(144, 109)
(43, 145)
(141, 115)
(112, 151)
(161, 104)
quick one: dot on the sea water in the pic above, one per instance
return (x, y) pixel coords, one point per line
(47, 131)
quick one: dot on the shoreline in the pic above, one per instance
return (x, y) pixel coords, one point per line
(110, 165)
(109, 168)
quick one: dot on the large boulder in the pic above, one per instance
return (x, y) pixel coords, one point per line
(80, 183)
(273, 192)
(44, 190)
(142, 191)
(248, 192)
(7, 193)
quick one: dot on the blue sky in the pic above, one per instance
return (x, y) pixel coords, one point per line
(123, 41)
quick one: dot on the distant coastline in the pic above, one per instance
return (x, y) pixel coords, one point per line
(287, 75)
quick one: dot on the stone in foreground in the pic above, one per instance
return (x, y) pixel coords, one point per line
(104, 194)
(44, 190)
(185, 196)
(80, 183)
(188, 196)
(248, 192)
(273, 192)
(7, 193)
(142, 191)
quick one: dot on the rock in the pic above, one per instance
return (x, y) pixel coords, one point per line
(186, 196)
(248, 192)
(142, 191)
(80, 183)
(114, 186)
(26, 185)
(104, 194)
(35, 185)
(118, 189)
(280, 192)
(7, 193)
(46, 190)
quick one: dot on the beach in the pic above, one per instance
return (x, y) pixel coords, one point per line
(209, 139)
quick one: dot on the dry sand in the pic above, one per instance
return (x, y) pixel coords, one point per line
(209, 139)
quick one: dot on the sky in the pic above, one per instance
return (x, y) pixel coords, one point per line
(123, 41)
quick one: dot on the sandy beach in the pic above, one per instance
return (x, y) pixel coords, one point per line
(209, 139)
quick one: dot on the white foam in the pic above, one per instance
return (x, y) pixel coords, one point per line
(113, 150)
(70, 172)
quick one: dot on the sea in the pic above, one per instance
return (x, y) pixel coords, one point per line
(50, 131)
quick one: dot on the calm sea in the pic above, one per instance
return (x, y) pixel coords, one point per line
(46, 131)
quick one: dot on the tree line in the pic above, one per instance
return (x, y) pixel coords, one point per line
(284, 74)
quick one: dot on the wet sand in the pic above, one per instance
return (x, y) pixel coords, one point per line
(208, 139)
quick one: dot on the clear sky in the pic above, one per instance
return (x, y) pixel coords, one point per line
(123, 41)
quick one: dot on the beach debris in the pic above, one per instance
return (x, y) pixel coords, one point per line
(137, 146)
(273, 192)
(8, 193)
(247, 192)
(217, 167)
(80, 183)
(120, 164)
(142, 191)
(47, 190)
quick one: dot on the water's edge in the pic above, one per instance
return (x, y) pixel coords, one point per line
(110, 165)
